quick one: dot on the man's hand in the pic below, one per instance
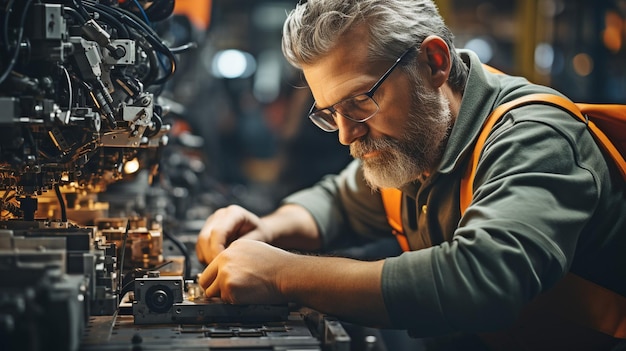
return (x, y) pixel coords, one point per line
(289, 227)
(252, 272)
(245, 269)
(246, 273)
(225, 226)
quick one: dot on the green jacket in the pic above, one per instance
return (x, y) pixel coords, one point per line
(544, 203)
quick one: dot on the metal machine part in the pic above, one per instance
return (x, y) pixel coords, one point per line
(77, 96)
(80, 253)
(80, 82)
(40, 304)
(143, 246)
(303, 329)
(161, 300)
(78, 86)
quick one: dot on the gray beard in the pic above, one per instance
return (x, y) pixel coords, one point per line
(416, 152)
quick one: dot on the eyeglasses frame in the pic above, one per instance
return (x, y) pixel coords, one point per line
(370, 94)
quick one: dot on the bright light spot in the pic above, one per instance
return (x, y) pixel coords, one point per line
(583, 64)
(233, 64)
(544, 57)
(131, 166)
(482, 48)
(267, 81)
(230, 63)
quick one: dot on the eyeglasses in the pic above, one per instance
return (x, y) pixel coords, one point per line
(358, 108)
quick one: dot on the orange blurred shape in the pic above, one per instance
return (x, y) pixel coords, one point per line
(583, 64)
(612, 35)
(198, 11)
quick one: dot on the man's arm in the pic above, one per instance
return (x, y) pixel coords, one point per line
(346, 288)
(293, 227)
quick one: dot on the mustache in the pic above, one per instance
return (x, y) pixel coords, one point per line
(367, 144)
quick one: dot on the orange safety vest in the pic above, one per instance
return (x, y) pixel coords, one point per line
(573, 302)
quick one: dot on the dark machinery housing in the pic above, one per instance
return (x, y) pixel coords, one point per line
(80, 85)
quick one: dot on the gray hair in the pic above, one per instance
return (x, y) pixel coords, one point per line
(314, 27)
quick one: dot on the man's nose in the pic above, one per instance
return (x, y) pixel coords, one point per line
(349, 131)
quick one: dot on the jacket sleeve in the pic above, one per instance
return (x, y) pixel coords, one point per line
(343, 204)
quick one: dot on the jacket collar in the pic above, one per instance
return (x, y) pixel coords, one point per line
(479, 99)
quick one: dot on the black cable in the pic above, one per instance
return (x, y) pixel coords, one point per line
(150, 35)
(143, 26)
(57, 190)
(132, 21)
(121, 262)
(18, 43)
(130, 282)
(9, 9)
(79, 6)
(75, 14)
(183, 48)
(156, 128)
(183, 249)
(122, 30)
(143, 13)
(153, 60)
(69, 87)
(153, 38)
(173, 64)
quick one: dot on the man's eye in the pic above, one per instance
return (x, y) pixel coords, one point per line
(360, 99)
(357, 102)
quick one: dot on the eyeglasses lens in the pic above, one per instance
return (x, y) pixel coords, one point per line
(358, 109)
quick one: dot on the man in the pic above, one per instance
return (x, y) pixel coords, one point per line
(385, 75)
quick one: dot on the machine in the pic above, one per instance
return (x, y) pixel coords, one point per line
(81, 267)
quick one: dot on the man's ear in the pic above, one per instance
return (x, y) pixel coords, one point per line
(436, 53)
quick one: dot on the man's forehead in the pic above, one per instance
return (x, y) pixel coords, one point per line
(345, 70)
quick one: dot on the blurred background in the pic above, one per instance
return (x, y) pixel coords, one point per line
(238, 109)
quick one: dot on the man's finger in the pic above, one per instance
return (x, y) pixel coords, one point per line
(216, 244)
(200, 244)
(213, 290)
(208, 276)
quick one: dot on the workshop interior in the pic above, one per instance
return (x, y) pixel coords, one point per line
(125, 123)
